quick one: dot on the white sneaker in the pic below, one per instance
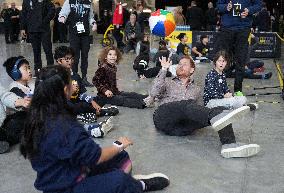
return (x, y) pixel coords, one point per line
(239, 150)
(227, 117)
(106, 125)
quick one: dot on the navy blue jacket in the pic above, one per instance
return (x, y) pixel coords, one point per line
(235, 22)
(64, 151)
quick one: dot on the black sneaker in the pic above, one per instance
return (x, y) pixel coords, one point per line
(268, 75)
(153, 182)
(252, 106)
(86, 82)
(87, 118)
(109, 111)
(4, 147)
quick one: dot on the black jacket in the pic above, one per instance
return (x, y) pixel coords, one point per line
(194, 18)
(36, 15)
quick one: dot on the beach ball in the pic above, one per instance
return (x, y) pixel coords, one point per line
(162, 23)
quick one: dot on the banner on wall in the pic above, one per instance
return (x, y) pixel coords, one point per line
(264, 45)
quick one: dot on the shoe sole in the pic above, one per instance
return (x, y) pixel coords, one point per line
(149, 176)
(111, 113)
(230, 118)
(242, 151)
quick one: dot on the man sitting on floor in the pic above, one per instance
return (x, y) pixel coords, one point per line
(181, 112)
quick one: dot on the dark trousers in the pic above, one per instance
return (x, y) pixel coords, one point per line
(182, 118)
(7, 29)
(81, 46)
(235, 42)
(15, 30)
(108, 178)
(130, 45)
(124, 99)
(118, 37)
(61, 30)
(37, 39)
(11, 130)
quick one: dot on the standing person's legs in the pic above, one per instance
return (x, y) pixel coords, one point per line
(12, 33)
(47, 47)
(35, 39)
(75, 45)
(85, 46)
(241, 47)
(7, 33)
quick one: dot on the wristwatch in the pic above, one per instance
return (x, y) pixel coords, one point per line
(119, 145)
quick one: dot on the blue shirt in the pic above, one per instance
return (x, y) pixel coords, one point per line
(215, 86)
(63, 152)
(229, 21)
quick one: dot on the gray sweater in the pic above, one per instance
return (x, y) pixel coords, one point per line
(7, 99)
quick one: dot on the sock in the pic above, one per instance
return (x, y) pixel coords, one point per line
(143, 185)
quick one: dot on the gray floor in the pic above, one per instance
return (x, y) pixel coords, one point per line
(193, 163)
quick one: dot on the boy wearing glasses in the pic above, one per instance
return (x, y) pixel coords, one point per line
(83, 104)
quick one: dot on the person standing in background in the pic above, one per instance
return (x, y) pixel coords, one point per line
(263, 19)
(5, 14)
(36, 16)
(211, 17)
(236, 21)
(194, 17)
(15, 23)
(179, 17)
(80, 16)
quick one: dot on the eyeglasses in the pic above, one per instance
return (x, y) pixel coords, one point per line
(67, 59)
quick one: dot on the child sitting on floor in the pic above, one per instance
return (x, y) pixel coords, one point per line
(18, 69)
(201, 48)
(83, 104)
(216, 91)
(141, 62)
(106, 83)
(57, 145)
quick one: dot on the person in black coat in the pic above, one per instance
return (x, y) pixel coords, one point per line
(194, 17)
(5, 14)
(36, 16)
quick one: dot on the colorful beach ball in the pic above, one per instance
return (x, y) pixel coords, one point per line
(162, 23)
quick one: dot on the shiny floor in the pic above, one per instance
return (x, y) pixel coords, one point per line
(193, 163)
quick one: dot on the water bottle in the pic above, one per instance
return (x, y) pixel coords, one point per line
(256, 30)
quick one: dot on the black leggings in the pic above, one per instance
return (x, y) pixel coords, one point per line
(125, 99)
